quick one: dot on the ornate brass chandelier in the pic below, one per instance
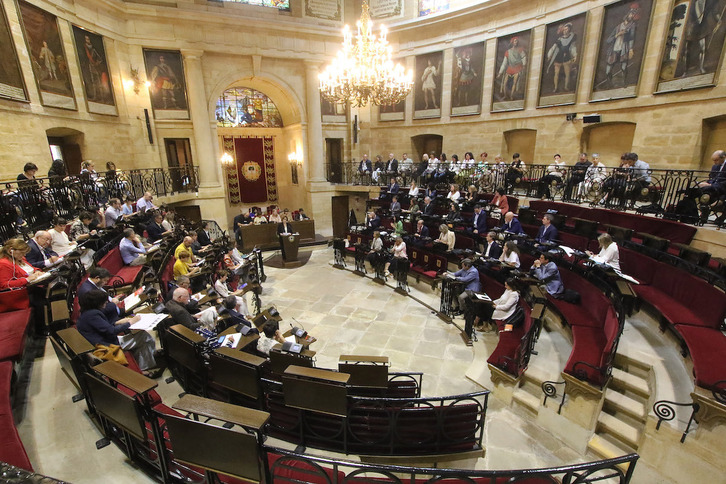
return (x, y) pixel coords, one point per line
(364, 72)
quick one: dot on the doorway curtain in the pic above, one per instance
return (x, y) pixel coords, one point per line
(251, 178)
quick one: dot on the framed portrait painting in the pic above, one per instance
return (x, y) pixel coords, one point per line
(167, 86)
(47, 56)
(621, 50)
(466, 79)
(561, 62)
(693, 46)
(427, 79)
(511, 71)
(12, 85)
(95, 73)
(392, 112)
(331, 112)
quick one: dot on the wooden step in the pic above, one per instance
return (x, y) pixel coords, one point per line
(626, 381)
(623, 403)
(619, 429)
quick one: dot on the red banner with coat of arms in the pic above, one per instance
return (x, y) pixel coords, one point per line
(252, 178)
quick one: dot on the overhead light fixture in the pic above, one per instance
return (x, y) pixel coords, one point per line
(365, 72)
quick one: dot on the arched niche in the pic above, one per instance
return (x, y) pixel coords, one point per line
(713, 138)
(609, 140)
(426, 143)
(522, 141)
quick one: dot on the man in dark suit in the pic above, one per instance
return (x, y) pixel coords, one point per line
(203, 235)
(98, 277)
(392, 165)
(235, 317)
(155, 230)
(301, 215)
(511, 224)
(428, 208)
(491, 248)
(40, 255)
(421, 234)
(395, 206)
(547, 232)
(365, 166)
(178, 310)
(479, 223)
(373, 221)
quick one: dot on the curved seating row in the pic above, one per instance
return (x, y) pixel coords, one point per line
(693, 309)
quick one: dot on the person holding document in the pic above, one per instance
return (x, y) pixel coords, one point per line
(94, 325)
(503, 307)
(609, 253)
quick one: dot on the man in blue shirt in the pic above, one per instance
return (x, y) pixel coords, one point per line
(469, 276)
(546, 271)
(132, 250)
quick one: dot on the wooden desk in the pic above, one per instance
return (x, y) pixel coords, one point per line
(317, 374)
(241, 356)
(363, 359)
(187, 333)
(226, 412)
(75, 341)
(129, 378)
(244, 341)
(265, 235)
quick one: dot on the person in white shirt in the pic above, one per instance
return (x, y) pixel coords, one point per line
(413, 190)
(609, 253)
(269, 337)
(504, 306)
(510, 254)
(594, 176)
(453, 194)
(554, 174)
(60, 243)
(399, 255)
(113, 212)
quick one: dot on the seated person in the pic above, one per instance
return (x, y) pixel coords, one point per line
(547, 272)
(185, 283)
(40, 254)
(128, 206)
(59, 239)
(547, 232)
(14, 269)
(511, 224)
(399, 256)
(422, 231)
(716, 183)
(113, 213)
(183, 265)
(185, 245)
(197, 247)
(376, 252)
(428, 208)
(395, 206)
(179, 311)
(203, 236)
(132, 250)
(155, 230)
(413, 189)
(145, 203)
(259, 218)
(29, 171)
(447, 237)
(221, 287)
(510, 255)
(270, 336)
(479, 222)
(500, 203)
(275, 216)
(80, 229)
(397, 226)
(553, 174)
(503, 307)
(98, 277)
(373, 221)
(236, 315)
(492, 249)
(301, 215)
(609, 253)
(453, 216)
(394, 187)
(98, 330)
(453, 194)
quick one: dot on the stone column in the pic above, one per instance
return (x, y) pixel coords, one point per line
(206, 160)
(315, 158)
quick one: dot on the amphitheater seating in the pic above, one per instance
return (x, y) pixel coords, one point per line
(595, 329)
(426, 264)
(121, 275)
(512, 352)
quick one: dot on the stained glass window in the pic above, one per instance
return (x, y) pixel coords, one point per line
(427, 7)
(278, 4)
(240, 107)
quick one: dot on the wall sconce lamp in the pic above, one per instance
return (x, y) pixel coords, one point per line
(134, 80)
(227, 160)
(295, 160)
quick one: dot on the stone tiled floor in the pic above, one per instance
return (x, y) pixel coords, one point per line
(349, 315)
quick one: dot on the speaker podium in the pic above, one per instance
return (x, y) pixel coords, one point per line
(290, 243)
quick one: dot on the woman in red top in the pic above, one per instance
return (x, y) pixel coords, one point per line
(500, 201)
(12, 263)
